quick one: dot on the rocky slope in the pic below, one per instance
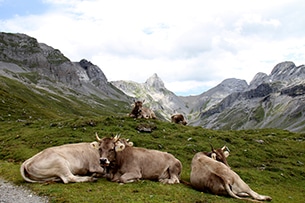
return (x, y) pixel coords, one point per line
(269, 101)
(164, 102)
(39, 82)
(23, 58)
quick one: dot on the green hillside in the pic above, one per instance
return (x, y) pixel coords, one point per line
(19, 102)
(271, 161)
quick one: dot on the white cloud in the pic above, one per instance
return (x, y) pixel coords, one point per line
(191, 45)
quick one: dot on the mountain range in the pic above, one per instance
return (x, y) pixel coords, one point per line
(269, 101)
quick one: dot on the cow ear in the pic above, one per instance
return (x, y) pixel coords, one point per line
(213, 156)
(226, 153)
(130, 144)
(119, 147)
(94, 145)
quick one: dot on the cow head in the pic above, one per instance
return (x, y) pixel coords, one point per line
(220, 154)
(108, 147)
(137, 109)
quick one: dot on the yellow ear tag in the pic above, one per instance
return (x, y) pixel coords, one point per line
(226, 153)
(94, 145)
(119, 147)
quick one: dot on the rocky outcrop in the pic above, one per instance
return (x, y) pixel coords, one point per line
(49, 68)
(164, 102)
(271, 101)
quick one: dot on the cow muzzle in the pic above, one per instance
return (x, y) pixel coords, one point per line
(104, 162)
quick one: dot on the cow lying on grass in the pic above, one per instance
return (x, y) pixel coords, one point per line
(66, 163)
(129, 164)
(211, 172)
(139, 111)
(179, 119)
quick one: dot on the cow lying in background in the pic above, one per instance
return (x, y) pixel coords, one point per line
(66, 163)
(179, 119)
(130, 163)
(211, 172)
(139, 111)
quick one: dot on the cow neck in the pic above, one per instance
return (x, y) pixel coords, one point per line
(119, 159)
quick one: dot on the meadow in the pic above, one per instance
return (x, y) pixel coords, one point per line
(270, 161)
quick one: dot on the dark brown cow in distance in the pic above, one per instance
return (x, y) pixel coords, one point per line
(212, 174)
(67, 163)
(139, 111)
(130, 163)
(179, 119)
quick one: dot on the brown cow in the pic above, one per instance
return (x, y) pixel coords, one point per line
(215, 176)
(134, 163)
(179, 119)
(67, 163)
(139, 111)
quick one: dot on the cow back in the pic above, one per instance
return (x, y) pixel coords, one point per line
(151, 163)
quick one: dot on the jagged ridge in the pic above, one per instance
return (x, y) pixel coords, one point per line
(269, 101)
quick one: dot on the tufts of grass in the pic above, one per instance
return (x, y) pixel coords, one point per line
(32, 119)
(269, 160)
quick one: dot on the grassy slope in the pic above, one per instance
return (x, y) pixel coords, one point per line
(269, 168)
(275, 167)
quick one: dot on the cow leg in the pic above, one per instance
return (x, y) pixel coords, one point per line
(130, 177)
(78, 179)
(174, 179)
(241, 189)
(67, 176)
(257, 196)
(242, 194)
(97, 170)
(171, 175)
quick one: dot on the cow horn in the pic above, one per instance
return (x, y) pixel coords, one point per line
(212, 147)
(97, 137)
(225, 148)
(116, 138)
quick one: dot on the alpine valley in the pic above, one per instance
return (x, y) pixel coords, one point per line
(38, 82)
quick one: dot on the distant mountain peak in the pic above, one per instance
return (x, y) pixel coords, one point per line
(155, 81)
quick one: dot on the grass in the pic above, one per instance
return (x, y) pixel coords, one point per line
(269, 167)
(31, 119)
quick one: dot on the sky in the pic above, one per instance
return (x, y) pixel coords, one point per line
(192, 45)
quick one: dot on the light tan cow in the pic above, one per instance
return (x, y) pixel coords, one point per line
(129, 164)
(139, 111)
(215, 176)
(66, 163)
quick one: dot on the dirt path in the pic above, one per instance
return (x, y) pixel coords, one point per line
(10, 193)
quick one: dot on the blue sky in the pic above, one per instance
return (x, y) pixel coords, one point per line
(192, 45)
(10, 8)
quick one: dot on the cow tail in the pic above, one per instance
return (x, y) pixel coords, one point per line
(232, 194)
(25, 174)
(186, 183)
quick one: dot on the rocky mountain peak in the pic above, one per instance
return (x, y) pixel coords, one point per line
(227, 87)
(233, 84)
(282, 70)
(93, 71)
(155, 81)
(258, 79)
